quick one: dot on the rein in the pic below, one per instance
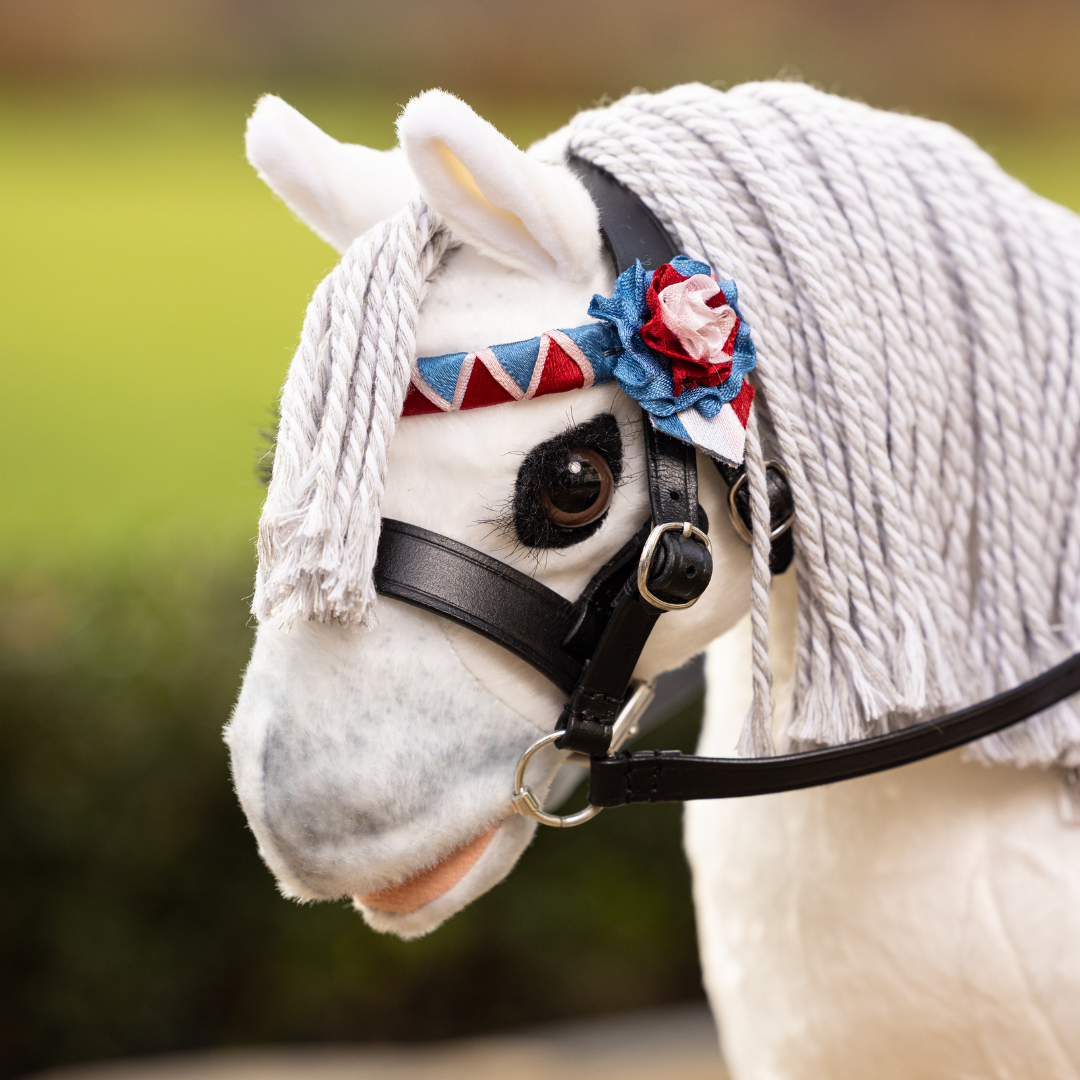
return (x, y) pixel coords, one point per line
(589, 648)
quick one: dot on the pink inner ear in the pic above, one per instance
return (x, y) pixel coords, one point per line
(428, 885)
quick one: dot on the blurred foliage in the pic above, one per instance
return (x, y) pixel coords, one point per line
(137, 917)
(924, 54)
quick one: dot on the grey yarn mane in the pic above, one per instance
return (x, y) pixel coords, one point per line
(914, 310)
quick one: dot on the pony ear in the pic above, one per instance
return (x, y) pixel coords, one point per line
(337, 189)
(526, 214)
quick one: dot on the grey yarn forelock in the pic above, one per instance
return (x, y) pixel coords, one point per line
(914, 313)
(339, 408)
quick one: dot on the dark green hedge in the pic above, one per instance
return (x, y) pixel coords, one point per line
(135, 915)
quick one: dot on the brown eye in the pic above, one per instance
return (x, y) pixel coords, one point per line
(578, 490)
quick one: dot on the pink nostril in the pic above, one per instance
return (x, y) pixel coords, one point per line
(427, 885)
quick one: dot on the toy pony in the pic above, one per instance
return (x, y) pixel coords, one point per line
(562, 418)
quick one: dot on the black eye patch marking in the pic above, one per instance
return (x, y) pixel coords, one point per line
(564, 485)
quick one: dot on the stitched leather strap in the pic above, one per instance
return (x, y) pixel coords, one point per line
(682, 570)
(460, 583)
(587, 719)
(672, 466)
(597, 600)
(668, 776)
(556, 637)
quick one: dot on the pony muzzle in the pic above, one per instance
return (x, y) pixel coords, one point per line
(421, 888)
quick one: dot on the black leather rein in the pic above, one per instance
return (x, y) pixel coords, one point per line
(669, 776)
(589, 648)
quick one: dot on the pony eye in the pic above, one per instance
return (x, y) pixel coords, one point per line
(578, 490)
(566, 484)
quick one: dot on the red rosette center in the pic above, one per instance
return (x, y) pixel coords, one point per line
(686, 372)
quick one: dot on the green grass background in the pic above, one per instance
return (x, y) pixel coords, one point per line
(151, 293)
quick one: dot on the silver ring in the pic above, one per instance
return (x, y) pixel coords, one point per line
(526, 803)
(625, 727)
(645, 562)
(736, 517)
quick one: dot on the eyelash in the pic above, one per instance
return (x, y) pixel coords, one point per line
(522, 519)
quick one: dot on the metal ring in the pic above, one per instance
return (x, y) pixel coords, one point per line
(526, 803)
(625, 727)
(645, 562)
(779, 530)
(736, 517)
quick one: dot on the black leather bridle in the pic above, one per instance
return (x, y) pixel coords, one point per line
(589, 648)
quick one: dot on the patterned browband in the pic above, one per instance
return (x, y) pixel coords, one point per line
(552, 363)
(673, 339)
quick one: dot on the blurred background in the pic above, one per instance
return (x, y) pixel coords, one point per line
(151, 293)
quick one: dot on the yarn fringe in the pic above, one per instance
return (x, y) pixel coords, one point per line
(343, 396)
(913, 309)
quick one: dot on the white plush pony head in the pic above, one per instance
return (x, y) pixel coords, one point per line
(916, 378)
(377, 762)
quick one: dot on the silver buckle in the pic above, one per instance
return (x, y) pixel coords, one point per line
(645, 562)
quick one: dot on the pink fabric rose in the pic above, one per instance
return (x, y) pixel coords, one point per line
(698, 317)
(702, 331)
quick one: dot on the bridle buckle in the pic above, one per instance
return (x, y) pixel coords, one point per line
(645, 563)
